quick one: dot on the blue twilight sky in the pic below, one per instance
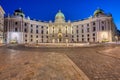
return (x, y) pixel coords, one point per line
(73, 9)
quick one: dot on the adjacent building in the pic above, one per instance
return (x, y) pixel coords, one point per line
(1, 24)
(97, 28)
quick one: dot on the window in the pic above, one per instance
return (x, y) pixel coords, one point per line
(87, 29)
(41, 26)
(72, 36)
(31, 39)
(47, 32)
(25, 30)
(87, 24)
(88, 39)
(37, 36)
(42, 40)
(16, 23)
(102, 27)
(37, 31)
(94, 28)
(93, 34)
(82, 25)
(31, 30)
(93, 23)
(94, 39)
(82, 39)
(31, 36)
(82, 31)
(77, 26)
(82, 35)
(77, 31)
(25, 35)
(88, 35)
(36, 26)
(42, 32)
(16, 29)
(31, 25)
(25, 40)
(25, 24)
(102, 22)
(77, 35)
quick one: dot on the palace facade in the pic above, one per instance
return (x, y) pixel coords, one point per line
(1, 24)
(97, 28)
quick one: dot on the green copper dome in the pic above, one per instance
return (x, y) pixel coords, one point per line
(60, 15)
(19, 12)
(98, 11)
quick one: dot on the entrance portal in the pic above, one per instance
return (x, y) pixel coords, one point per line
(59, 37)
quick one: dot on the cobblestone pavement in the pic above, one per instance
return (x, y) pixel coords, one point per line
(21, 65)
(95, 65)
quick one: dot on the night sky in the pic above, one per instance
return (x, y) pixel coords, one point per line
(73, 9)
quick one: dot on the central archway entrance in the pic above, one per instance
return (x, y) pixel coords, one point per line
(60, 37)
